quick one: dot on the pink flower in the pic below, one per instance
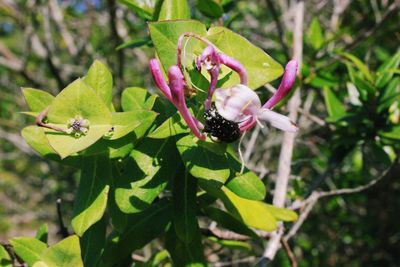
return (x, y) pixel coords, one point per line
(240, 104)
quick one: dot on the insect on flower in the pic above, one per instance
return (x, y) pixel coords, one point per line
(237, 109)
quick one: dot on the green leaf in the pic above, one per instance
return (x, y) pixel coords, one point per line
(174, 125)
(100, 79)
(174, 9)
(393, 134)
(389, 94)
(248, 184)
(37, 100)
(36, 138)
(201, 162)
(315, 37)
(184, 203)
(229, 222)
(333, 105)
(165, 36)
(251, 212)
(145, 174)
(134, 98)
(92, 243)
(28, 249)
(210, 8)
(135, 43)
(282, 214)
(144, 8)
(386, 70)
(141, 229)
(360, 65)
(183, 254)
(125, 122)
(260, 67)
(91, 199)
(42, 233)
(77, 99)
(5, 259)
(232, 244)
(66, 253)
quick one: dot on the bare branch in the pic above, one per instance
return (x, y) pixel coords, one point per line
(289, 252)
(288, 138)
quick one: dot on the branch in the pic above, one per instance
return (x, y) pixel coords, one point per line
(289, 252)
(285, 158)
(309, 203)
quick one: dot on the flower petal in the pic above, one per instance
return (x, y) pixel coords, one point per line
(237, 103)
(289, 77)
(277, 120)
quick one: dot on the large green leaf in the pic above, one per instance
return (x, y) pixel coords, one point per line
(260, 67)
(229, 222)
(5, 259)
(201, 162)
(174, 9)
(282, 214)
(141, 229)
(172, 126)
(92, 243)
(251, 212)
(37, 100)
(165, 36)
(36, 138)
(100, 79)
(184, 254)
(134, 98)
(184, 203)
(125, 122)
(28, 249)
(145, 174)
(334, 107)
(247, 184)
(66, 253)
(91, 199)
(77, 99)
(315, 37)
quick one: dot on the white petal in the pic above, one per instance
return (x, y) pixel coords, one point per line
(237, 103)
(277, 120)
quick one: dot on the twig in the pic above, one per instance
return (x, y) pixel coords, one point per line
(288, 138)
(63, 230)
(309, 203)
(40, 123)
(289, 252)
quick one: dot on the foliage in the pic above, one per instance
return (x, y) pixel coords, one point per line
(142, 184)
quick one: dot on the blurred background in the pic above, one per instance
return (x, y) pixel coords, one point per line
(346, 138)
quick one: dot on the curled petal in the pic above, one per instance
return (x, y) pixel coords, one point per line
(277, 120)
(237, 103)
(289, 77)
(209, 58)
(159, 78)
(234, 65)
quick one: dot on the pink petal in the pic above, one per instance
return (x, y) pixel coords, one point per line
(289, 77)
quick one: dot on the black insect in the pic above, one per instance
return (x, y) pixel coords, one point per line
(219, 127)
